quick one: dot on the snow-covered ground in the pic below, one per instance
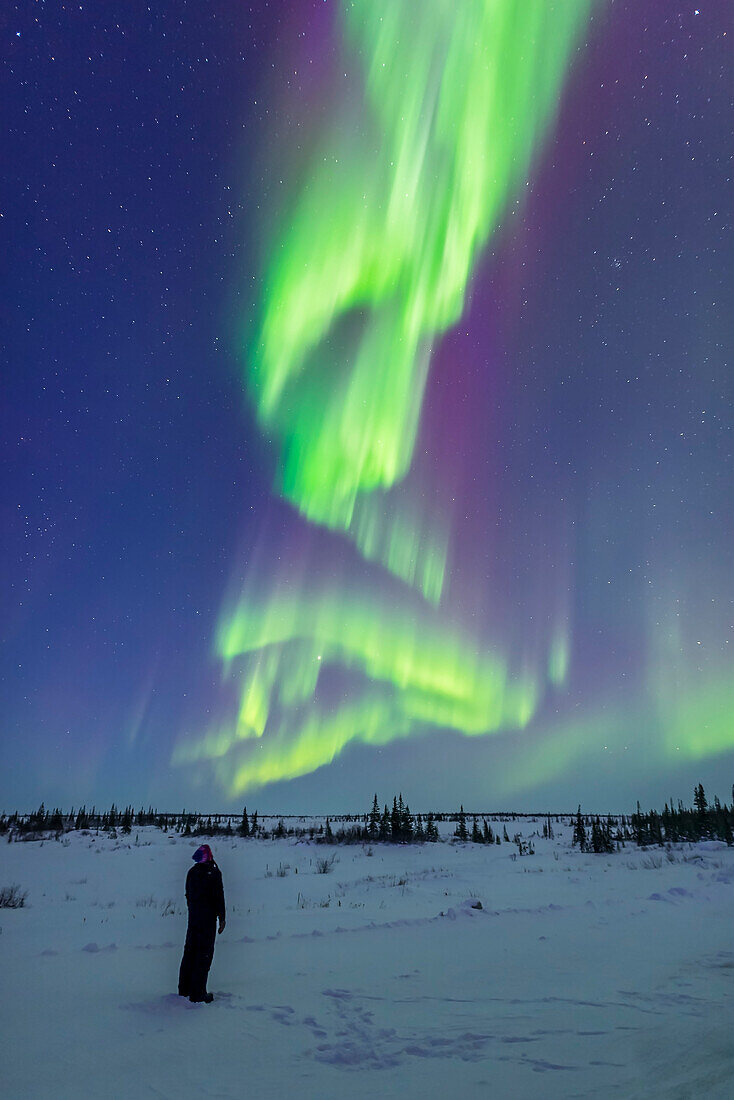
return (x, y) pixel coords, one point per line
(580, 976)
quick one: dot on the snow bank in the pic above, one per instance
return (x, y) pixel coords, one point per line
(426, 972)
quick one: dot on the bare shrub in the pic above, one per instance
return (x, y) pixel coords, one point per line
(12, 897)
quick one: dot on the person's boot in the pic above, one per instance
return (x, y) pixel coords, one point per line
(206, 999)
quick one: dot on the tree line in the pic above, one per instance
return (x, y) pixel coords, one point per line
(394, 824)
(386, 825)
(397, 825)
(672, 825)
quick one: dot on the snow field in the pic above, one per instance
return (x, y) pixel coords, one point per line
(580, 976)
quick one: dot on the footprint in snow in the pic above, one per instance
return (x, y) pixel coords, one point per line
(355, 1038)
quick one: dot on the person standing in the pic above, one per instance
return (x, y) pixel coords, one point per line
(205, 901)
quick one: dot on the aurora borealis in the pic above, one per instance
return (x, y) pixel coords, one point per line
(405, 186)
(384, 232)
(398, 451)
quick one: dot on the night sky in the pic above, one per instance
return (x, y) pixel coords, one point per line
(366, 404)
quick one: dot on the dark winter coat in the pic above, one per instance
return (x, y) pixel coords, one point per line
(205, 893)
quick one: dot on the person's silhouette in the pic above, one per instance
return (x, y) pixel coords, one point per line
(205, 900)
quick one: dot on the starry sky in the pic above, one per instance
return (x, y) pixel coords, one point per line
(366, 404)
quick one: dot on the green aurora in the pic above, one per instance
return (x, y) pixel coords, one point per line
(368, 266)
(371, 262)
(409, 672)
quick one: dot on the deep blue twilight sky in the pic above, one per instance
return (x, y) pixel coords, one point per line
(168, 582)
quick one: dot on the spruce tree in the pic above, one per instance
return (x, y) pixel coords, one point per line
(719, 819)
(609, 839)
(244, 827)
(395, 821)
(701, 805)
(384, 834)
(373, 828)
(666, 823)
(407, 825)
(600, 838)
(655, 831)
(579, 831)
(461, 832)
(640, 827)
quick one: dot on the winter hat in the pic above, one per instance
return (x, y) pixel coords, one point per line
(203, 854)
